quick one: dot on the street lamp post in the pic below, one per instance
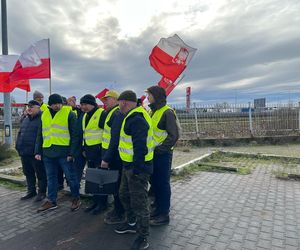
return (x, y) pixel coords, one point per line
(7, 101)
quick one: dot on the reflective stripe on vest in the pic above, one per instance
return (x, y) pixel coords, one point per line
(125, 142)
(55, 130)
(107, 129)
(92, 134)
(159, 135)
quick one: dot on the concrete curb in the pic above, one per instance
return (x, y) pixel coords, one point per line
(179, 168)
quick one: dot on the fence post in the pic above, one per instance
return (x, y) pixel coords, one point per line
(196, 120)
(250, 120)
(298, 117)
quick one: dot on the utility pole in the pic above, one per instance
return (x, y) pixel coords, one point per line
(7, 101)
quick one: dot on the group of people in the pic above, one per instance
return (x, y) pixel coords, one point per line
(61, 138)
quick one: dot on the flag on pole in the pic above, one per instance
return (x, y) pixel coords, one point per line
(33, 63)
(101, 93)
(7, 63)
(171, 56)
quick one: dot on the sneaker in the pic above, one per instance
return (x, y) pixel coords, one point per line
(40, 197)
(75, 204)
(28, 195)
(48, 205)
(112, 219)
(140, 243)
(159, 220)
(126, 228)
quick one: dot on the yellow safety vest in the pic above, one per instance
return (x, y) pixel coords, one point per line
(44, 107)
(92, 134)
(55, 130)
(125, 142)
(107, 129)
(159, 135)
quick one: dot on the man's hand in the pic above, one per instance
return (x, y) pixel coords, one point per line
(38, 157)
(104, 164)
(69, 158)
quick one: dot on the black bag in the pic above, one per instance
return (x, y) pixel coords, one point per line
(101, 181)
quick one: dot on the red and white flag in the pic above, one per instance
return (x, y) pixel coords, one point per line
(7, 63)
(34, 63)
(171, 56)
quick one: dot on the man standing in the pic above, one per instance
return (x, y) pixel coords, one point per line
(165, 134)
(25, 146)
(57, 142)
(136, 152)
(92, 126)
(39, 97)
(110, 154)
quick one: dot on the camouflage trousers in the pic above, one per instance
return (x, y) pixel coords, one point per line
(134, 198)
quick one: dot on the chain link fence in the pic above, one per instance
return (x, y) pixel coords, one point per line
(237, 121)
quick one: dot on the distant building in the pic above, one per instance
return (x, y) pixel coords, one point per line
(260, 103)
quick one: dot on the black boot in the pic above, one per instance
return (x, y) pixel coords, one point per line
(28, 195)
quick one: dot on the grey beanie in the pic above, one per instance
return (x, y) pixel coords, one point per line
(37, 94)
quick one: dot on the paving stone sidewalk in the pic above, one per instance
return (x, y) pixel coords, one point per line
(209, 211)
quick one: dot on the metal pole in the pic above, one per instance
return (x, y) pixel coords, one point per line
(50, 83)
(196, 120)
(250, 120)
(7, 101)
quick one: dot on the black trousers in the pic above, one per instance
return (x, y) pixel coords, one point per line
(33, 170)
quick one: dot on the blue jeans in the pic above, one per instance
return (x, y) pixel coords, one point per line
(52, 165)
(160, 181)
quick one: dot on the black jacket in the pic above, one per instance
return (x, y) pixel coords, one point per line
(56, 151)
(137, 127)
(27, 135)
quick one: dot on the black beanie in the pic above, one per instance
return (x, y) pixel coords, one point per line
(54, 99)
(88, 99)
(128, 95)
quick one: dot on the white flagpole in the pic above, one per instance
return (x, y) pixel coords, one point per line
(50, 83)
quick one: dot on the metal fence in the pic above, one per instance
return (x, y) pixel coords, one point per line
(238, 121)
(228, 121)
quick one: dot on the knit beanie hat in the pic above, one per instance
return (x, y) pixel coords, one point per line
(33, 103)
(88, 99)
(64, 100)
(54, 99)
(158, 93)
(37, 94)
(128, 95)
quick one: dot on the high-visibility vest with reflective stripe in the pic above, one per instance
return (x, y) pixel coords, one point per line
(107, 129)
(55, 130)
(92, 134)
(44, 107)
(159, 135)
(71, 109)
(125, 142)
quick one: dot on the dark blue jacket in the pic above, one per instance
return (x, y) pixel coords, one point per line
(27, 135)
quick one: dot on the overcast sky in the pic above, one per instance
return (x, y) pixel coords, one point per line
(246, 49)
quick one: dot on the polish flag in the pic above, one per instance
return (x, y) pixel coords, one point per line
(7, 63)
(171, 56)
(167, 84)
(34, 63)
(102, 93)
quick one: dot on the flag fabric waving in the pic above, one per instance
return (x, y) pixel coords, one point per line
(171, 56)
(101, 93)
(7, 63)
(34, 63)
